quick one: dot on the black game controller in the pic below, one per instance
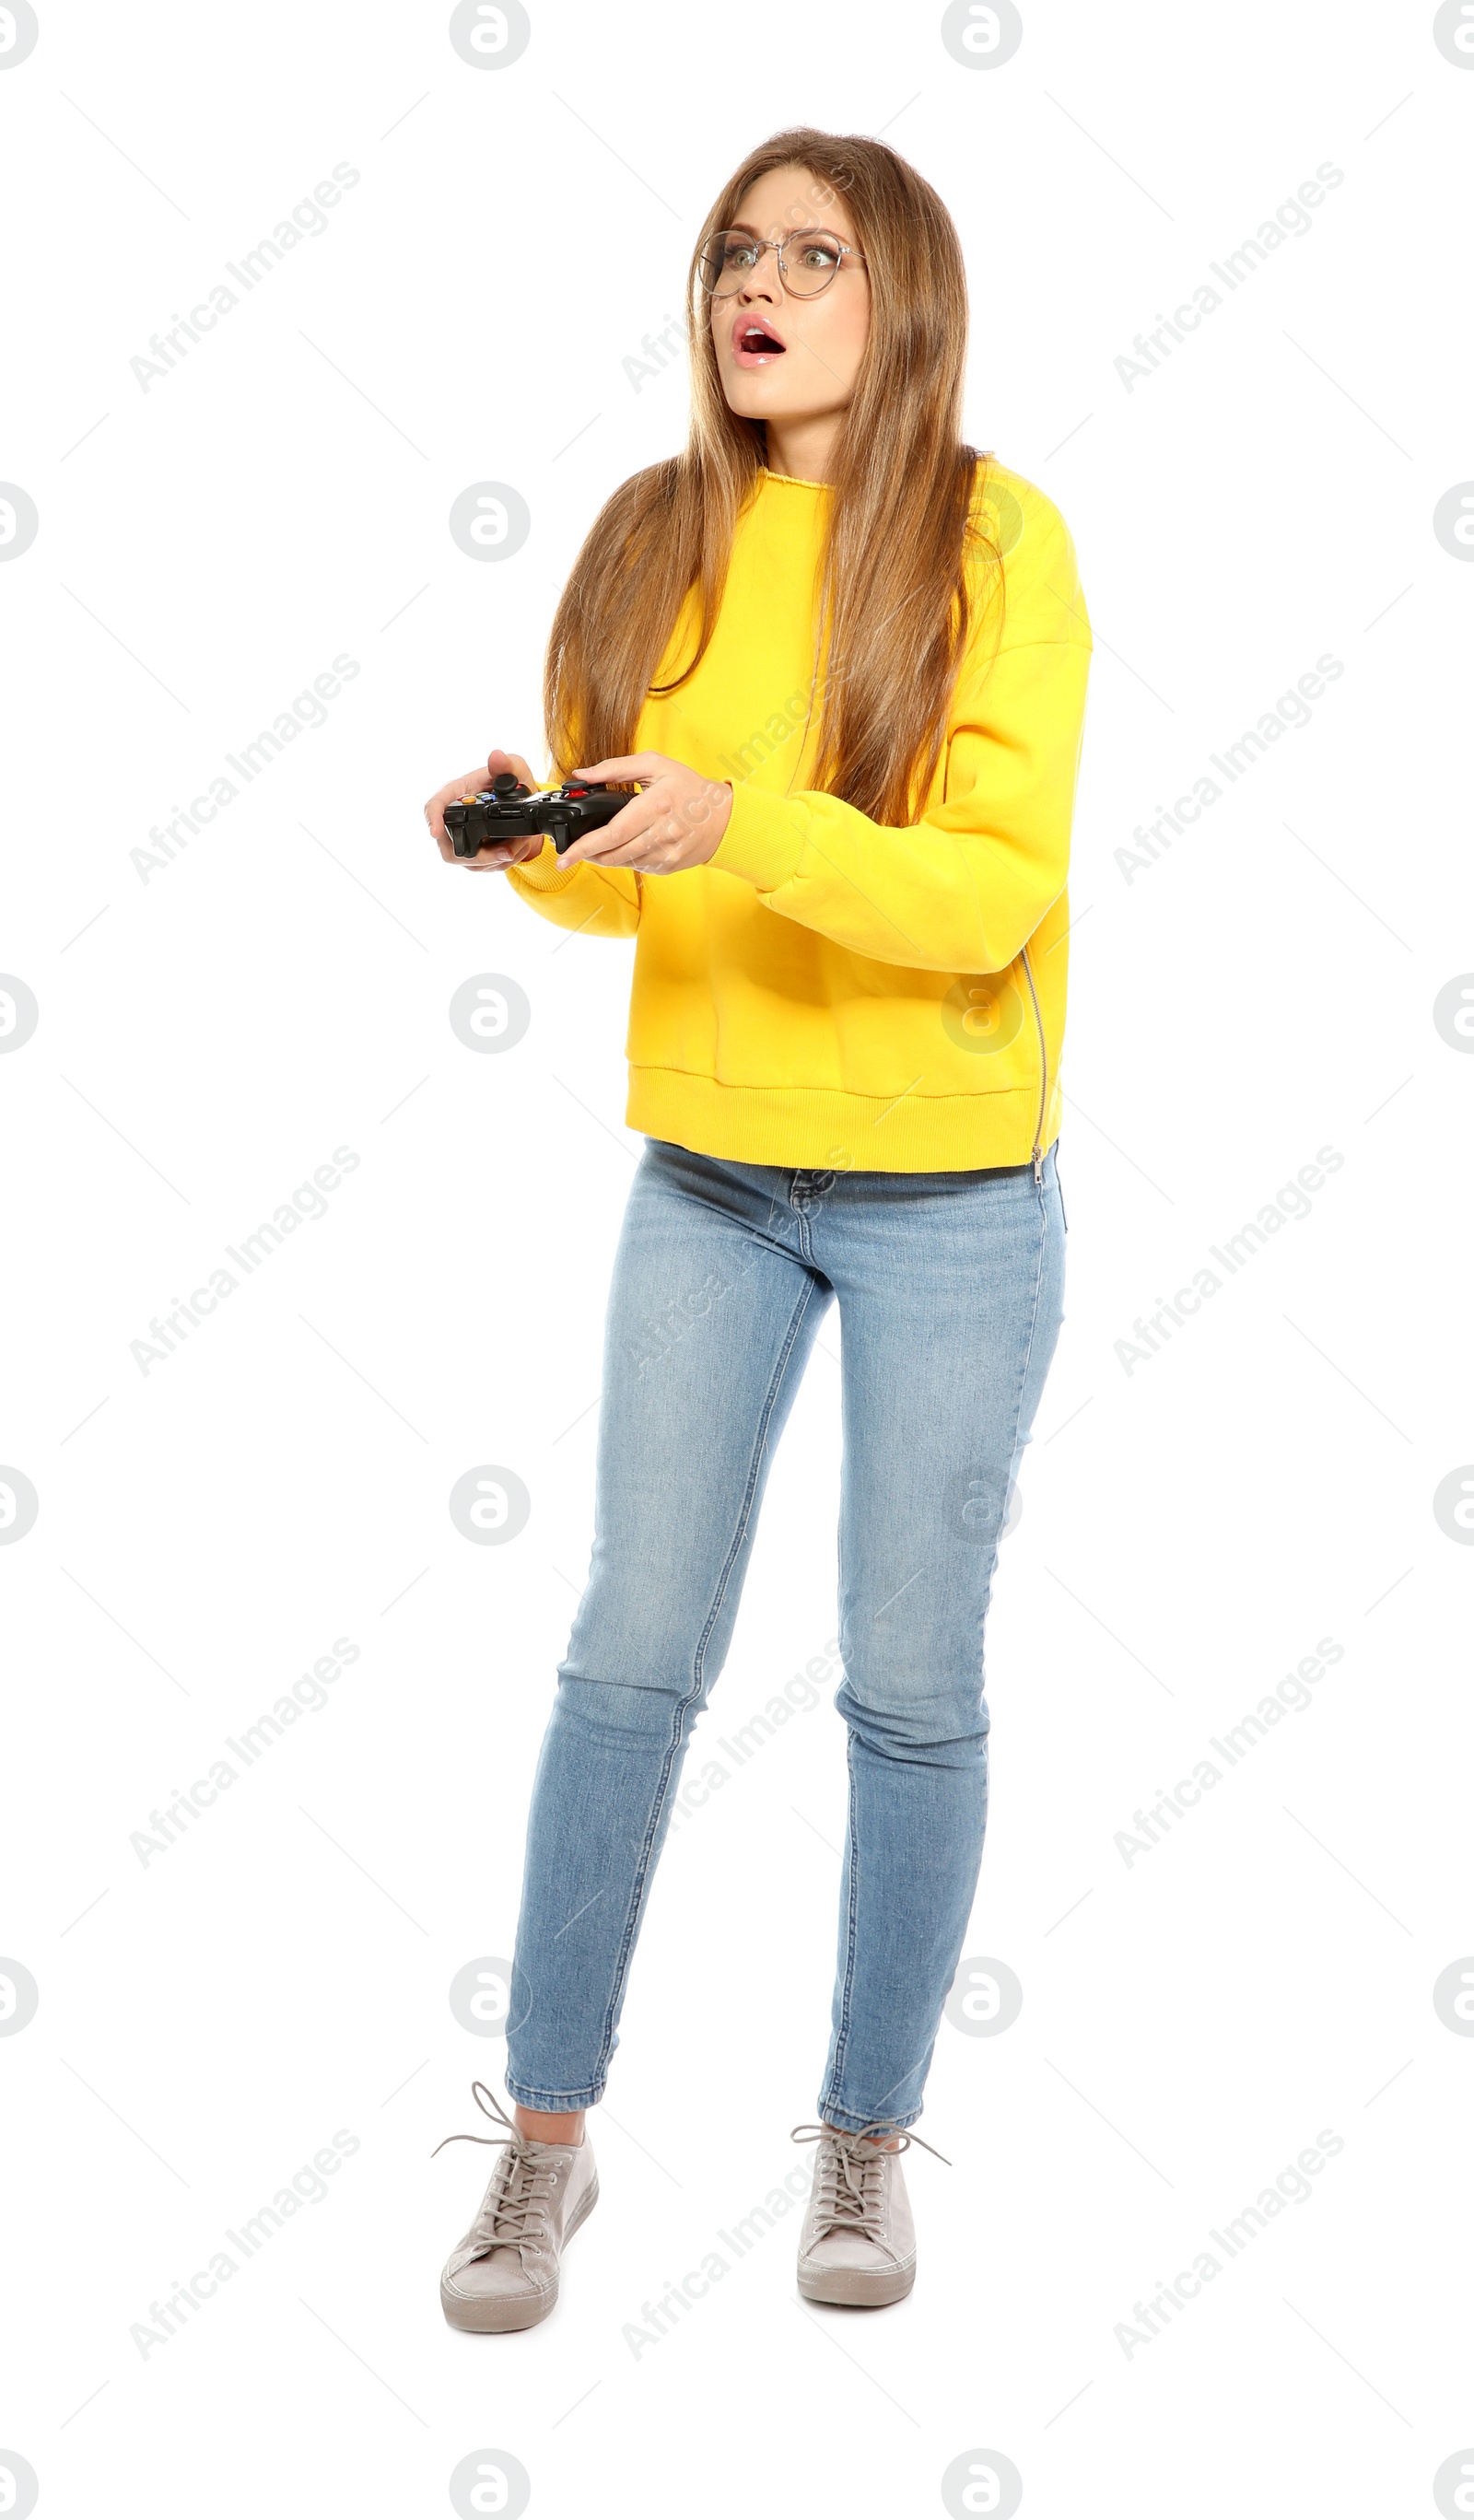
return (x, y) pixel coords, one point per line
(509, 810)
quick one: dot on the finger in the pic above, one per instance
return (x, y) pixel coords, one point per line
(434, 811)
(511, 852)
(627, 826)
(447, 852)
(627, 765)
(654, 850)
(640, 858)
(498, 761)
(493, 857)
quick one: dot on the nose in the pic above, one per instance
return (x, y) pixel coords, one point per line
(764, 280)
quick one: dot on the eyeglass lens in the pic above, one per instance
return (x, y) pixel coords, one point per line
(810, 260)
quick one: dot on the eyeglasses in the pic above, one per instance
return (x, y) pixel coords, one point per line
(807, 260)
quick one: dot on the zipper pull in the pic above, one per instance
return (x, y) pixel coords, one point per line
(1038, 1170)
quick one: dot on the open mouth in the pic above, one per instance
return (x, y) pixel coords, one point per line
(753, 341)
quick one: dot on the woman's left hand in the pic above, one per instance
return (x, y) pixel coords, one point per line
(676, 821)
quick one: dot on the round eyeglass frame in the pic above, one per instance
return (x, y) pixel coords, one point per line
(775, 246)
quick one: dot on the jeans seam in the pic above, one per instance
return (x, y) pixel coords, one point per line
(1018, 1404)
(800, 1219)
(698, 1666)
(841, 2037)
(1033, 1323)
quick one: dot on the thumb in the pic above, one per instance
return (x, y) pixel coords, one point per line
(497, 761)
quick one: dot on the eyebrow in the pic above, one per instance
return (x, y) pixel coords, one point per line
(744, 227)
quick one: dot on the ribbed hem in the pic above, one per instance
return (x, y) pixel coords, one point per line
(852, 2124)
(552, 2104)
(822, 1130)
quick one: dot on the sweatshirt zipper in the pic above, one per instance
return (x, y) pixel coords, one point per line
(1038, 1133)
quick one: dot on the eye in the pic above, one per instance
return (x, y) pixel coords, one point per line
(737, 256)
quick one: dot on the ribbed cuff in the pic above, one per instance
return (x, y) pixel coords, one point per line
(547, 873)
(764, 838)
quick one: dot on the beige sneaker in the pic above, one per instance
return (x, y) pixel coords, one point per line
(858, 2243)
(505, 2274)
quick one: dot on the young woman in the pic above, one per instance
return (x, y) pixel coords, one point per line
(843, 657)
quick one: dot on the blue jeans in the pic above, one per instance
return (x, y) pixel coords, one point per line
(949, 1290)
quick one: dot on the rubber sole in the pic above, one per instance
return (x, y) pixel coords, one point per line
(858, 2287)
(499, 2313)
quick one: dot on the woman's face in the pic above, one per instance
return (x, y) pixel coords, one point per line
(807, 367)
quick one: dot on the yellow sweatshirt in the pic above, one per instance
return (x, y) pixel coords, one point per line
(826, 992)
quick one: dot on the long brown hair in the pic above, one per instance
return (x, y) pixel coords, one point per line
(895, 597)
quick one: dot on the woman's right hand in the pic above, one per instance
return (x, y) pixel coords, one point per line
(503, 853)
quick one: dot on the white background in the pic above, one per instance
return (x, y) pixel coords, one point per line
(1190, 1528)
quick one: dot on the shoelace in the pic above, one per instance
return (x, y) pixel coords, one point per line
(515, 2206)
(850, 2181)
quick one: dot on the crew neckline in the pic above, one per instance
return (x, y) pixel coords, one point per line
(798, 480)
